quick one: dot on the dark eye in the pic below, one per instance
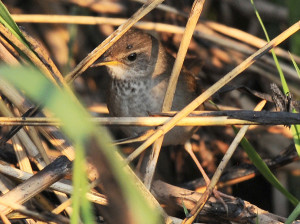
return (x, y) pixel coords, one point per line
(131, 57)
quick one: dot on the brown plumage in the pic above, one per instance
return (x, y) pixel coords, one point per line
(140, 69)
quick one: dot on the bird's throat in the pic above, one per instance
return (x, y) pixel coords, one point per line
(130, 87)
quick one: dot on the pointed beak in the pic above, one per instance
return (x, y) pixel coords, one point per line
(106, 63)
(106, 60)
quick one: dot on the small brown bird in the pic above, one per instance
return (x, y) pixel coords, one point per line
(140, 68)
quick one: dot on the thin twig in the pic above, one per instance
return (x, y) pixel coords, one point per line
(162, 27)
(200, 204)
(48, 217)
(213, 89)
(167, 104)
(109, 41)
(215, 118)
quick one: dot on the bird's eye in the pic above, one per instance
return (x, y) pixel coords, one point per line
(131, 57)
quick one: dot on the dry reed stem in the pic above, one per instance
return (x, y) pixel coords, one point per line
(8, 52)
(14, 96)
(151, 121)
(33, 133)
(93, 56)
(239, 210)
(62, 206)
(97, 52)
(166, 8)
(62, 197)
(59, 142)
(20, 139)
(20, 148)
(287, 69)
(5, 184)
(9, 91)
(213, 89)
(246, 38)
(4, 219)
(139, 138)
(220, 40)
(28, 52)
(161, 27)
(31, 149)
(266, 68)
(135, 121)
(39, 216)
(21, 155)
(45, 59)
(185, 42)
(168, 99)
(44, 63)
(109, 41)
(6, 56)
(26, 190)
(99, 6)
(152, 162)
(122, 29)
(245, 49)
(57, 186)
(52, 134)
(200, 204)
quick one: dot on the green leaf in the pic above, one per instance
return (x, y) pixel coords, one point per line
(80, 186)
(9, 23)
(293, 215)
(78, 127)
(295, 64)
(186, 212)
(264, 169)
(293, 7)
(296, 128)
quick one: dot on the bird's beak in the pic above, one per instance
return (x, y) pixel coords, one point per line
(106, 61)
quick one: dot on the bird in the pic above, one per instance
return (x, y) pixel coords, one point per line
(140, 67)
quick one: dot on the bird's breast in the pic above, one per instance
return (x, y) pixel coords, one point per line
(131, 98)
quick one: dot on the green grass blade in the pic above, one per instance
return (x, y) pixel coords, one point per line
(296, 135)
(294, 128)
(79, 129)
(295, 64)
(185, 210)
(9, 23)
(295, 213)
(293, 17)
(264, 169)
(81, 186)
(282, 78)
